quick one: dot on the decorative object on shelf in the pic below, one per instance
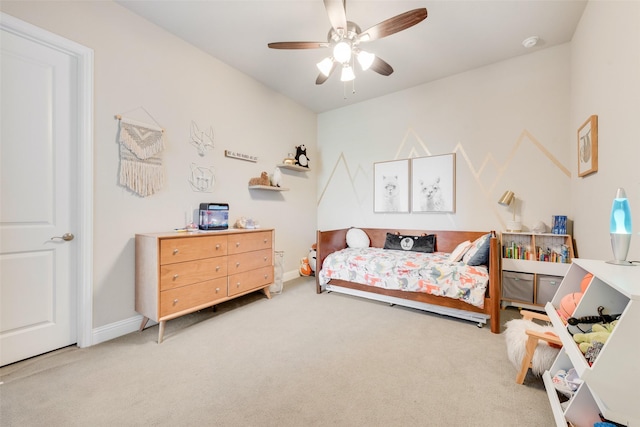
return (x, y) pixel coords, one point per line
(240, 156)
(509, 199)
(391, 186)
(203, 141)
(559, 224)
(202, 178)
(433, 184)
(276, 178)
(263, 179)
(539, 228)
(620, 228)
(588, 147)
(301, 156)
(141, 145)
(289, 160)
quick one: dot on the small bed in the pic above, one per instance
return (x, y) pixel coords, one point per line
(431, 276)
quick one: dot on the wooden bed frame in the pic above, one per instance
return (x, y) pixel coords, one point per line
(446, 241)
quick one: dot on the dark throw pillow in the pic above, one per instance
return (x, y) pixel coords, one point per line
(426, 243)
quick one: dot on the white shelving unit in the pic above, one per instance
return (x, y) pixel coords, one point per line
(611, 384)
(531, 265)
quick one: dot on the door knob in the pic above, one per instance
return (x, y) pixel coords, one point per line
(66, 237)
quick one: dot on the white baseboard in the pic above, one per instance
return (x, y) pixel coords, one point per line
(132, 324)
(117, 329)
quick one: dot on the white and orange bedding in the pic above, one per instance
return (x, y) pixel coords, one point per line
(430, 273)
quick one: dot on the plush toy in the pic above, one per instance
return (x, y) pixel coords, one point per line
(599, 333)
(276, 178)
(301, 156)
(312, 258)
(305, 268)
(262, 180)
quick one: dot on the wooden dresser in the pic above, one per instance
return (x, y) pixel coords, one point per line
(179, 273)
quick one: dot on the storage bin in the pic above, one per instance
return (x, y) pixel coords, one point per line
(517, 286)
(546, 288)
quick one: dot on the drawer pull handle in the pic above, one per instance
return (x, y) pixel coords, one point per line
(217, 268)
(265, 240)
(238, 285)
(217, 290)
(266, 275)
(175, 301)
(175, 276)
(237, 264)
(175, 252)
(265, 258)
(237, 244)
(218, 246)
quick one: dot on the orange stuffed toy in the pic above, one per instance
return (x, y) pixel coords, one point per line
(305, 268)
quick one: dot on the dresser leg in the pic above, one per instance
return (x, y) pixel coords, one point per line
(143, 324)
(267, 292)
(161, 331)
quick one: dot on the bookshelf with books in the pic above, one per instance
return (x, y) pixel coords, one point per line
(533, 265)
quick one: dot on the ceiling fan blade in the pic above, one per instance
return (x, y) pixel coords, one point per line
(337, 14)
(322, 78)
(381, 67)
(297, 45)
(394, 25)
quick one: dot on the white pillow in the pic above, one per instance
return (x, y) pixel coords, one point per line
(459, 251)
(356, 238)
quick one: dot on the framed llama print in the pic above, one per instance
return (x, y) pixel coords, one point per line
(391, 186)
(433, 183)
(588, 147)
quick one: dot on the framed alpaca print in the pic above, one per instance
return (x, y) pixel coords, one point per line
(391, 186)
(433, 184)
(588, 147)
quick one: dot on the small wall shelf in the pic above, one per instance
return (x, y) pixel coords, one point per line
(267, 187)
(294, 167)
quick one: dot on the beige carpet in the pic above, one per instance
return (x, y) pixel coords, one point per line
(299, 359)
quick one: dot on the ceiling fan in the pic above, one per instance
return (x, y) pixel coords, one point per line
(344, 39)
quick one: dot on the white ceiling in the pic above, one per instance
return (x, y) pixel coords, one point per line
(458, 35)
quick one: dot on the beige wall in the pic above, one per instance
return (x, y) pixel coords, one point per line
(139, 65)
(605, 80)
(507, 123)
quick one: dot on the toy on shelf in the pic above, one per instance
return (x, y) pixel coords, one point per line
(263, 179)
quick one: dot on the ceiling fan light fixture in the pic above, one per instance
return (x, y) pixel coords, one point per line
(365, 59)
(325, 66)
(342, 52)
(347, 74)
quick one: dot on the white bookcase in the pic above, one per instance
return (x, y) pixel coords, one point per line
(611, 384)
(521, 253)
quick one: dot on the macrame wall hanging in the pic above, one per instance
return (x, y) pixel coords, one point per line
(141, 145)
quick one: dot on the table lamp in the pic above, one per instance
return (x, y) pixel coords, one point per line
(620, 228)
(508, 199)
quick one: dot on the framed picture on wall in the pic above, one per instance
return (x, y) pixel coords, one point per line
(588, 147)
(433, 183)
(391, 186)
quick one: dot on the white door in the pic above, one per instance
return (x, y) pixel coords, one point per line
(39, 202)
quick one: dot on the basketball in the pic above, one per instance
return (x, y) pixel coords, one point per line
(568, 305)
(585, 282)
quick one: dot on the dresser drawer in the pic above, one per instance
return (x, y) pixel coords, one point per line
(191, 248)
(248, 280)
(249, 261)
(187, 273)
(191, 296)
(247, 242)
